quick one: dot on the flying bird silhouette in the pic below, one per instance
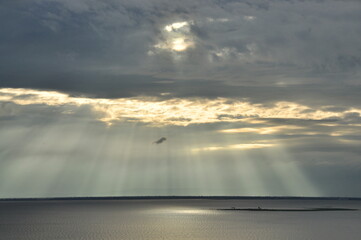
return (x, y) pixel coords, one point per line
(159, 141)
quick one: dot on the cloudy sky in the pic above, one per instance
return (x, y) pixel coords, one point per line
(255, 98)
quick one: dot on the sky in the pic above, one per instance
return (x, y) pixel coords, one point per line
(252, 98)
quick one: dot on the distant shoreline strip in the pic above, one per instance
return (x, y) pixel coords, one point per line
(287, 209)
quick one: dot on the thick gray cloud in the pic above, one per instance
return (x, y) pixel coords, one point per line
(303, 51)
(277, 43)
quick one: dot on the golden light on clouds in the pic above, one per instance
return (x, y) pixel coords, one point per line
(245, 146)
(261, 130)
(175, 111)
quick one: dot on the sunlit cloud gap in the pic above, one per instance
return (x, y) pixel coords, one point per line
(176, 111)
(174, 26)
(175, 37)
(261, 130)
(236, 146)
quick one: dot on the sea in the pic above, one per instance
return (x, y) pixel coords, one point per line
(156, 219)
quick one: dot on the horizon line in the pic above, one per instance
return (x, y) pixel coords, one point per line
(219, 197)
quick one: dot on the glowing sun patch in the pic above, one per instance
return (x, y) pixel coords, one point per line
(180, 44)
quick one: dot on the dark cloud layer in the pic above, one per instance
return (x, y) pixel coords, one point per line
(336, 96)
(92, 47)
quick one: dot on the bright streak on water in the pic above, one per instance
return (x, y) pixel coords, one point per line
(180, 210)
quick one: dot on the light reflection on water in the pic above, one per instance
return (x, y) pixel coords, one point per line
(175, 220)
(180, 210)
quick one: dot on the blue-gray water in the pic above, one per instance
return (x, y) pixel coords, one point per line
(176, 219)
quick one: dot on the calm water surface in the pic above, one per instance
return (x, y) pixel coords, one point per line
(176, 219)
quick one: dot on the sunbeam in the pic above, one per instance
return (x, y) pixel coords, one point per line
(223, 147)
